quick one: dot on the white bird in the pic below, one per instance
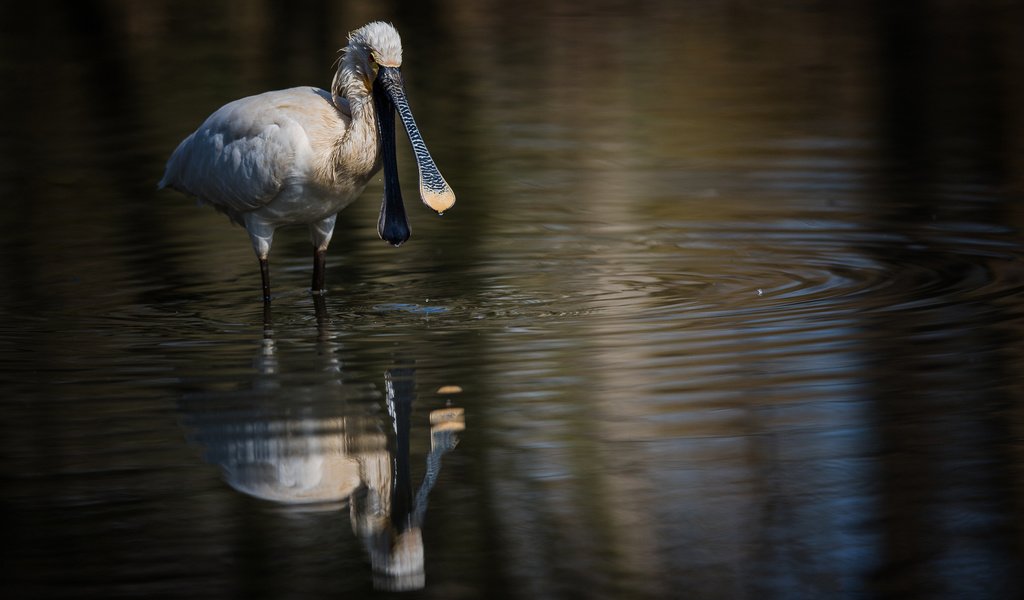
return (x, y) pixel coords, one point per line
(300, 155)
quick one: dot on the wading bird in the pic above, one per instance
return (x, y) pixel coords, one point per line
(298, 156)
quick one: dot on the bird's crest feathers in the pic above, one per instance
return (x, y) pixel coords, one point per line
(380, 40)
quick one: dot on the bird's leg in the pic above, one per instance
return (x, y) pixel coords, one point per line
(261, 234)
(319, 263)
(268, 322)
(265, 274)
(320, 233)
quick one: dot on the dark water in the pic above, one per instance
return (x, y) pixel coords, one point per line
(729, 307)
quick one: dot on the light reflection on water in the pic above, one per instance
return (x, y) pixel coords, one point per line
(734, 308)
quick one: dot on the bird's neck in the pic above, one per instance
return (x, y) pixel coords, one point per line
(359, 144)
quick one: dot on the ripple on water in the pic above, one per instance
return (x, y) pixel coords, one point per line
(690, 329)
(787, 269)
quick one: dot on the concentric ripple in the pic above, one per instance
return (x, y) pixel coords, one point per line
(688, 270)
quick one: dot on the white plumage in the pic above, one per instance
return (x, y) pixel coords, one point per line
(298, 156)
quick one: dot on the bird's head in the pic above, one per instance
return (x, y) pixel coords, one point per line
(372, 46)
(372, 61)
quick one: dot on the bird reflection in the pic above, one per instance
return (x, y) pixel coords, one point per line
(328, 445)
(385, 514)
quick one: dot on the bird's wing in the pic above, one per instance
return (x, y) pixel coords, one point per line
(240, 157)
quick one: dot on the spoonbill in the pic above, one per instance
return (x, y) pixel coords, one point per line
(299, 156)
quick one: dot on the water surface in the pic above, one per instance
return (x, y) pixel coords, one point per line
(729, 306)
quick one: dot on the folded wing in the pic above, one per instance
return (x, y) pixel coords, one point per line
(240, 158)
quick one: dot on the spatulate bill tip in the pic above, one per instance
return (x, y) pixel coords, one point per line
(439, 202)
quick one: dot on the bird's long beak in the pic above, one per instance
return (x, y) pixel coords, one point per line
(434, 190)
(392, 226)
